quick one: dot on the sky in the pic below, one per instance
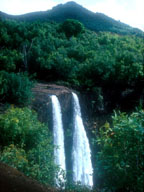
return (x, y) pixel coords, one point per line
(130, 12)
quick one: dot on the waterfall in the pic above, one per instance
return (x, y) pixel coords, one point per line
(58, 137)
(81, 153)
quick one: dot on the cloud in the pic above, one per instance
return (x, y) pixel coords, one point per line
(130, 11)
(25, 6)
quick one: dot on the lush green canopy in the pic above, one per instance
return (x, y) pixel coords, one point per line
(110, 66)
(85, 60)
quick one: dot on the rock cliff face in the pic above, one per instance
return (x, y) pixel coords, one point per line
(43, 106)
(90, 106)
(42, 101)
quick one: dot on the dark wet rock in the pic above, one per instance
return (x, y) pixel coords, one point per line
(42, 102)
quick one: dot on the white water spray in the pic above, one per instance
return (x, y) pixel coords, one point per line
(58, 137)
(81, 153)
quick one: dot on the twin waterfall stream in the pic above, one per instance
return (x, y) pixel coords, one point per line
(58, 137)
(82, 171)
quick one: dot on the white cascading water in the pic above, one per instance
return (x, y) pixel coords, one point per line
(58, 137)
(81, 153)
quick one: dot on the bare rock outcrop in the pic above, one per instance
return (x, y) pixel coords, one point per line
(42, 102)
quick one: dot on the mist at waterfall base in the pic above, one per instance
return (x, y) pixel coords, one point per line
(82, 171)
(58, 139)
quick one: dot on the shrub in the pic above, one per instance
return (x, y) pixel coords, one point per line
(18, 126)
(15, 88)
(27, 144)
(15, 157)
(10, 60)
(119, 163)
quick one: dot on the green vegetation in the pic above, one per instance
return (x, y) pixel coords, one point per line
(108, 66)
(72, 28)
(119, 161)
(75, 56)
(89, 60)
(15, 88)
(27, 144)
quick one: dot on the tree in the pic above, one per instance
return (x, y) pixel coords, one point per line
(72, 27)
(15, 88)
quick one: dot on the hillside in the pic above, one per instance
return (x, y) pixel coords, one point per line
(71, 10)
(106, 71)
(101, 62)
(13, 180)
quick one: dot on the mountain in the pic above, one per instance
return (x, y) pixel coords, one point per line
(71, 10)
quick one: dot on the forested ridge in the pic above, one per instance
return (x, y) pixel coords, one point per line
(70, 53)
(71, 10)
(108, 65)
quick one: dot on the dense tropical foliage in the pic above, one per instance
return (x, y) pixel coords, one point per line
(110, 66)
(90, 60)
(27, 144)
(15, 88)
(119, 161)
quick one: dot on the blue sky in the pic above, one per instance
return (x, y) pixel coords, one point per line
(127, 11)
